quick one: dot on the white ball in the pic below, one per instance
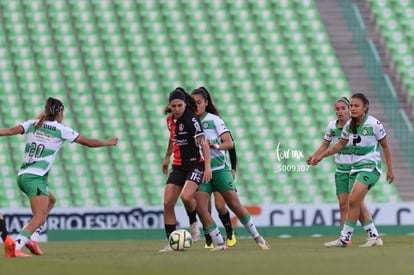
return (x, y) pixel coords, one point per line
(180, 240)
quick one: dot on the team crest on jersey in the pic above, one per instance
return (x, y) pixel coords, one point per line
(181, 127)
(205, 125)
(364, 131)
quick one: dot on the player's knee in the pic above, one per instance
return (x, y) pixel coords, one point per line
(168, 205)
(353, 203)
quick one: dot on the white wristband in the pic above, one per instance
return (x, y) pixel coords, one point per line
(217, 146)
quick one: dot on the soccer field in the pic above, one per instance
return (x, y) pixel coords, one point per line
(287, 256)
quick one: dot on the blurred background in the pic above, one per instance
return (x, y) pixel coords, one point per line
(274, 68)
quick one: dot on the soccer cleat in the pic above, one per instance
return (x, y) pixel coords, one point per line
(9, 247)
(262, 243)
(209, 246)
(231, 240)
(167, 248)
(337, 243)
(19, 253)
(34, 248)
(373, 242)
(222, 247)
(195, 231)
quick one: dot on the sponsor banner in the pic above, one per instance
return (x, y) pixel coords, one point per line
(152, 217)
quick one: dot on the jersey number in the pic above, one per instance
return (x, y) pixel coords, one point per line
(36, 150)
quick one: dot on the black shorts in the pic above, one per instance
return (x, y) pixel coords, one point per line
(179, 174)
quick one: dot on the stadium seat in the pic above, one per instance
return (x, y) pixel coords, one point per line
(268, 64)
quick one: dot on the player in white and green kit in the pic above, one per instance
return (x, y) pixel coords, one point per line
(343, 158)
(220, 140)
(45, 137)
(365, 134)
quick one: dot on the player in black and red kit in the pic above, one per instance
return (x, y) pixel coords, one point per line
(190, 167)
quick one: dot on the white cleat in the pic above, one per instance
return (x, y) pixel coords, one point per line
(222, 247)
(167, 248)
(195, 232)
(262, 243)
(373, 242)
(336, 243)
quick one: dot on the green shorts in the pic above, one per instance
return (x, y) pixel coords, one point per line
(367, 178)
(221, 181)
(342, 183)
(33, 185)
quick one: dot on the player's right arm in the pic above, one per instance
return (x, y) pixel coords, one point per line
(16, 130)
(332, 150)
(167, 157)
(324, 146)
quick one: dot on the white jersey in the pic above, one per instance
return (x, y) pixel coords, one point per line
(214, 127)
(42, 145)
(364, 145)
(343, 158)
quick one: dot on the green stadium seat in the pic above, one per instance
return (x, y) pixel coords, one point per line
(113, 64)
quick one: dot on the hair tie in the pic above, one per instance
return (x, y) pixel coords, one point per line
(344, 100)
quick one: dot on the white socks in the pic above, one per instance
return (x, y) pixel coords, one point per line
(216, 236)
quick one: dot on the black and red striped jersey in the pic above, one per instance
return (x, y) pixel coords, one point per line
(183, 131)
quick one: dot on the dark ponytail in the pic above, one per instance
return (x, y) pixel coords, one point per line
(354, 121)
(52, 107)
(211, 107)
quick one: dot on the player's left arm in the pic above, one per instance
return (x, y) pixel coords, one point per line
(226, 142)
(388, 158)
(381, 135)
(233, 160)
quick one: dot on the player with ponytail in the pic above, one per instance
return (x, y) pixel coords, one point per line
(45, 137)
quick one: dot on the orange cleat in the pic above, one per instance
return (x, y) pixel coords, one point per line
(9, 247)
(19, 253)
(34, 248)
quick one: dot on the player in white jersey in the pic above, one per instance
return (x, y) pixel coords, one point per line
(365, 133)
(343, 160)
(222, 181)
(45, 137)
(219, 202)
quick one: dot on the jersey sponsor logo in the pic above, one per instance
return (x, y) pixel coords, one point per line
(53, 128)
(356, 139)
(27, 164)
(181, 142)
(196, 124)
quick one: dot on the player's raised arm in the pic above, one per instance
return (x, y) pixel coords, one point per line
(94, 143)
(16, 130)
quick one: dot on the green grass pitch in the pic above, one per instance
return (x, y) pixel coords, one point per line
(299, 255)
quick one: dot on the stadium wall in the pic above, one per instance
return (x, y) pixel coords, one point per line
(147, 222)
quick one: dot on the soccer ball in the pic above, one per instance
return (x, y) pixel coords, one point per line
(180, 240)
